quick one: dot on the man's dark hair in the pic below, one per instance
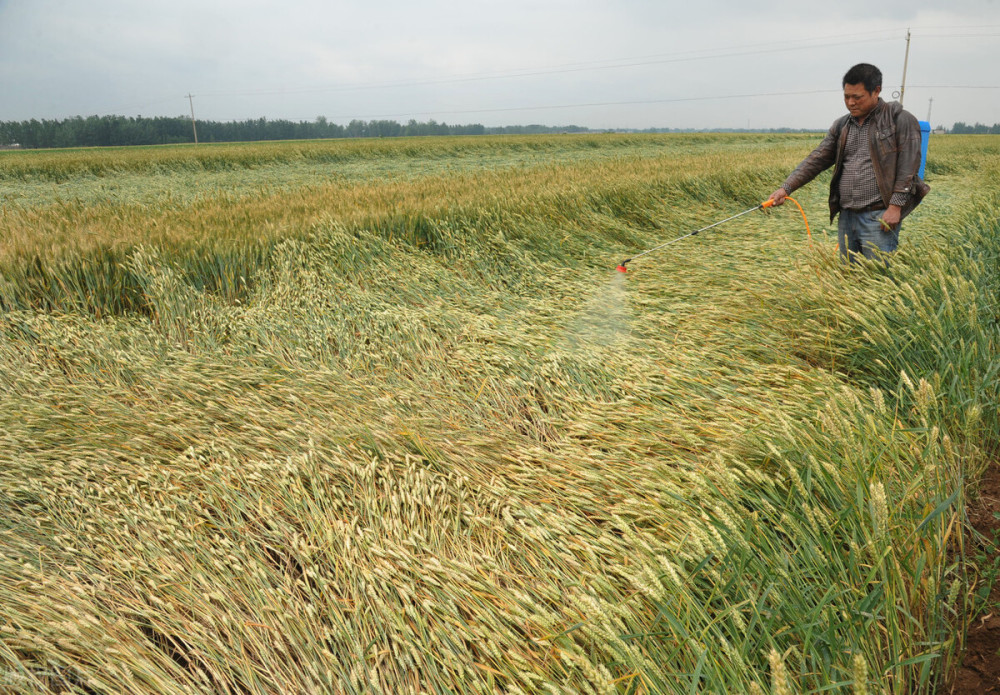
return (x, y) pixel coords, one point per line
(864, 73)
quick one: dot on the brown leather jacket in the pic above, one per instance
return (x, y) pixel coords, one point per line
(895, 148)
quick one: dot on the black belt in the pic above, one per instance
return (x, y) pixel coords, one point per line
(868, 208)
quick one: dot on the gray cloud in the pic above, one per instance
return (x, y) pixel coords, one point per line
(592, 62)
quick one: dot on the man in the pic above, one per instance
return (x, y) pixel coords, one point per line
(875, 152)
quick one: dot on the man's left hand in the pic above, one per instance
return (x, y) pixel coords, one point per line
(890, 218)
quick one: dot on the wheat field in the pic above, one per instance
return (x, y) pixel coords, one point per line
(381, 417)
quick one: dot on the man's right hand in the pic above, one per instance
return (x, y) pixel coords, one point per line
(778, 197)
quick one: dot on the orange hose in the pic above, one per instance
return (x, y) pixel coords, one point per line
(770, 203)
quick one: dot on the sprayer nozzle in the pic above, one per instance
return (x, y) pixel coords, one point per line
(622, 269)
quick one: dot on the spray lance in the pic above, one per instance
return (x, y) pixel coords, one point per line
(765, 204)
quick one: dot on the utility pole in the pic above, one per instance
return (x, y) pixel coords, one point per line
(195, 127)
(929, 105)
(906, 60)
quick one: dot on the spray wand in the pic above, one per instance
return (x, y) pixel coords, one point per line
(765, 204)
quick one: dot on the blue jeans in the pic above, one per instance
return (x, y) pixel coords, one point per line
(861, 232)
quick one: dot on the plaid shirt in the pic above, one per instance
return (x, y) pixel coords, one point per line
(858, 185)
(894, 162)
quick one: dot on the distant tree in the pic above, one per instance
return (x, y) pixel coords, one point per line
(356, 129)
(977, 129)
(384, 129)
(94, 131)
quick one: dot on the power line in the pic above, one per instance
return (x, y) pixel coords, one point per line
(957, 36)
(612, 64)
(954, 86)
(640, 102)
(597, 103)
(970, 26)
(712, 53)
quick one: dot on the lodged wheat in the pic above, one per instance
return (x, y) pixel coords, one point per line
(381, 417)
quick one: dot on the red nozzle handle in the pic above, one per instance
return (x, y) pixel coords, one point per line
(767, 203)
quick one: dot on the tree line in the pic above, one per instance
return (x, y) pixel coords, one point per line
(978, 129)
(112, 131)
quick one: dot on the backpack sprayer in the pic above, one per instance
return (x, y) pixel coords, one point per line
(765, 204)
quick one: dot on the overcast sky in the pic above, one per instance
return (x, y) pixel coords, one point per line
(593, 63)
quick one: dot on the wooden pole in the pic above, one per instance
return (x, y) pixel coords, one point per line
(195, 127)
(906, 60)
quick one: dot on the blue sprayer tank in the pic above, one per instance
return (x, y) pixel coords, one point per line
(925, 136)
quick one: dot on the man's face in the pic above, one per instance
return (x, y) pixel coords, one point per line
(859, 100)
